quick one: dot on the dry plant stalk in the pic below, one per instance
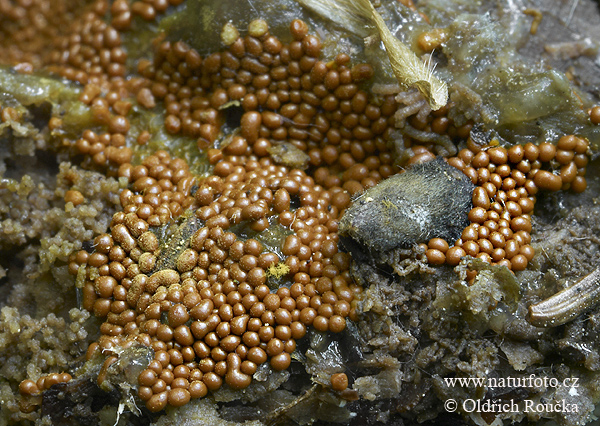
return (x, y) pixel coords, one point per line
(567, 304)
(407, 67)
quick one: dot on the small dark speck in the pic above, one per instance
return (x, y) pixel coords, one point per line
(88, 246)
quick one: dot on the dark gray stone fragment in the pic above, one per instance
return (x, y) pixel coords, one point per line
(429, 200)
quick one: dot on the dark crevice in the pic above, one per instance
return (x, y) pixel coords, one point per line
(7, 261)
(88, 246)
(295, 202)
(40, 114)
(42, 161)
(233, 117)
